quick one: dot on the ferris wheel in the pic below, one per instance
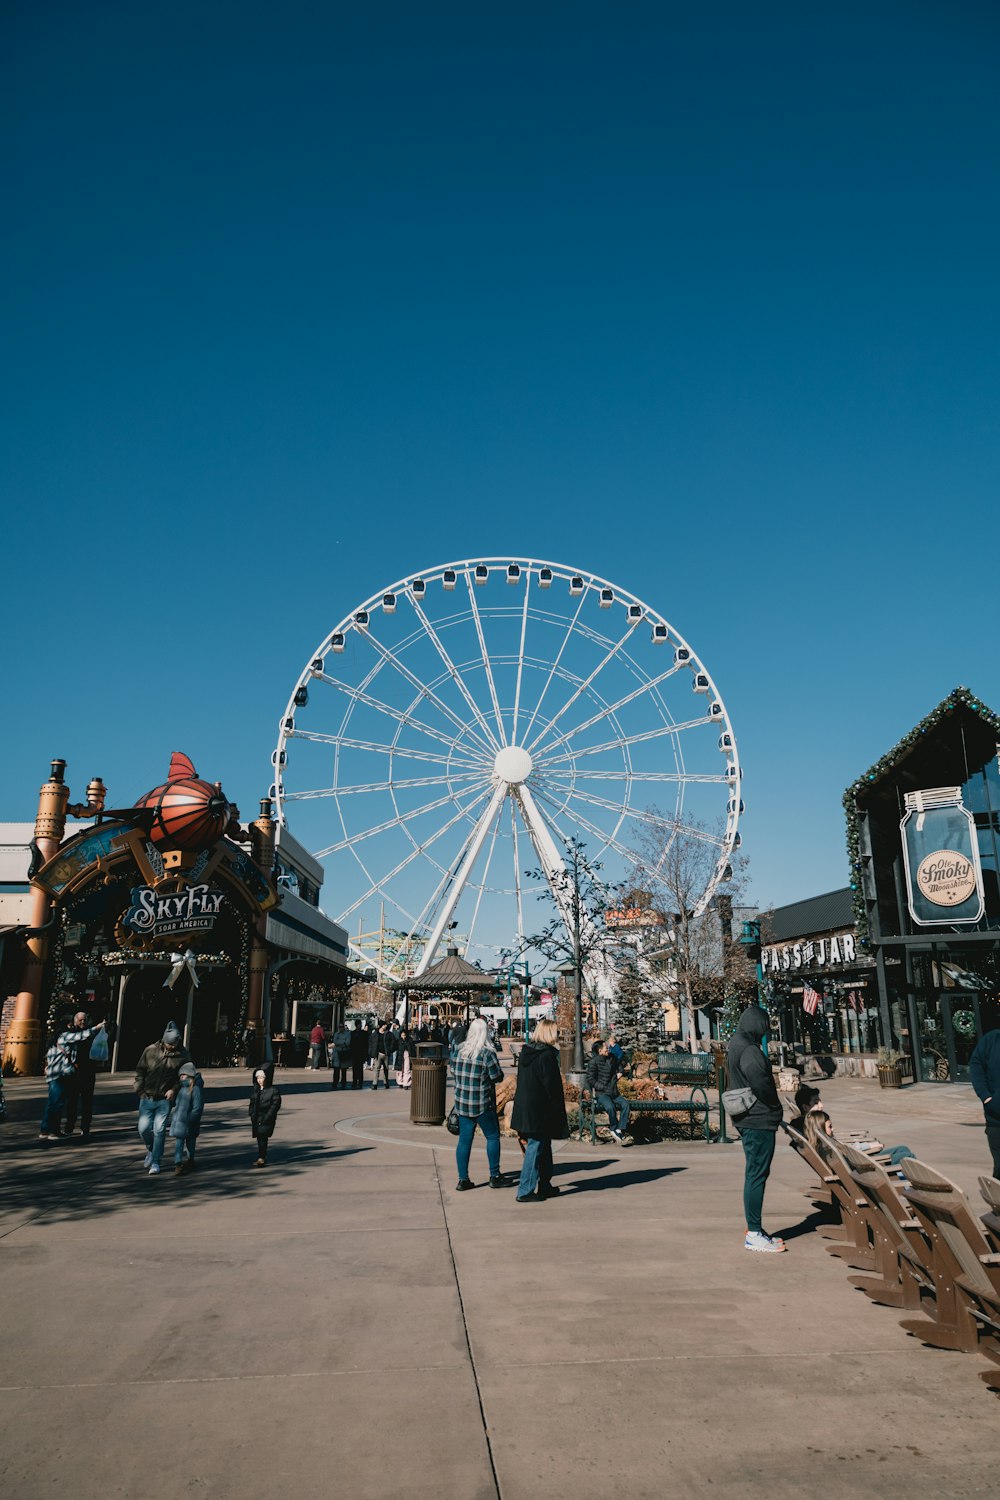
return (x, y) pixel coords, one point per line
(476, 718)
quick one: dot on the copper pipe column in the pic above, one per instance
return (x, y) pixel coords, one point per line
(262, 841)
(26, 1033)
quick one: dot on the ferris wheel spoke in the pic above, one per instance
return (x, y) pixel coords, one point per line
(383, 749)
(604, 713)
(583, 686)
(396, 822)
(391, 659)
(455, 675)
(418, 849)
(407, 720)
(520, 654)
(673, 777)
(627, 740)
(555, 665)
(607, 839)
(363, 788)
(645, 815)
(478, 622)
(472, 847)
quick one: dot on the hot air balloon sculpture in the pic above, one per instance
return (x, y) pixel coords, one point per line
(187, 813)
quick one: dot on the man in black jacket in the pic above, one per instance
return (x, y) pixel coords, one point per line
(602, 1080)
(359, 1054)
(984, 1071)
(748, 1068)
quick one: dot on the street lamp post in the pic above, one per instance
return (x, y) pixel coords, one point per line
(750, 940)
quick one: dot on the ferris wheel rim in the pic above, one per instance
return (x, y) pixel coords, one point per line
(474, 764)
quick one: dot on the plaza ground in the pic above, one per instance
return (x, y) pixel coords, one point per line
(346, 1322)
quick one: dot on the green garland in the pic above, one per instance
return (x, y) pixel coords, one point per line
(886, 763)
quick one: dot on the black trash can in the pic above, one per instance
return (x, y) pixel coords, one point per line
(429, 1087)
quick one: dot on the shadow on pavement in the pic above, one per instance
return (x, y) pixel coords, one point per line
(80, 1181)
(626, 1179)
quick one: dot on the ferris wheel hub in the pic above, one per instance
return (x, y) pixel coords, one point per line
(513, 765)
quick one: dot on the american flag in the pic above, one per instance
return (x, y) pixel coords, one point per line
(810, 999)
(854, 1001)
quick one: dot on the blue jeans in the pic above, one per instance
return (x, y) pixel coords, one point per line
(183, 1143)
(488, 1124)
(612, 1106)
(537, 1168)
(52, 1114)
(153, 1126)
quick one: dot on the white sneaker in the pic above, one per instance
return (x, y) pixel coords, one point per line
(147, 1160)
(154, 1170)
(757, 1240)
(618, 1136)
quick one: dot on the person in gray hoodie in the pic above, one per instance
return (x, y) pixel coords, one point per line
(748, 1068)
(185, 1122)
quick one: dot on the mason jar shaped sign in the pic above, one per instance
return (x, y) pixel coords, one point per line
(944, 879)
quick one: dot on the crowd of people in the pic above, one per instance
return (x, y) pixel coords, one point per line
(171, 1094)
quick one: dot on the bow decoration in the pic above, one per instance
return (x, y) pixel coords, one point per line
(180, 962)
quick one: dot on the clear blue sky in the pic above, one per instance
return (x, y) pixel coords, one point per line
(299, 299)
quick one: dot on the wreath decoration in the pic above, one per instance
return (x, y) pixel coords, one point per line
(964, 1022)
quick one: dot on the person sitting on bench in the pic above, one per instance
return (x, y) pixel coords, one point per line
(602, 1080)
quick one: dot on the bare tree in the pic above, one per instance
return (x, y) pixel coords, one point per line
(699, 959)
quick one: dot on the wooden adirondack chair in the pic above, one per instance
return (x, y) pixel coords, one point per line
(857, 1213)
(902, 1253)
(820, 1191)
(966, 1270)
(989, 1187)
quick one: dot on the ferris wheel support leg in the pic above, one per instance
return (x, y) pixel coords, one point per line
(557, 874)
(458, 884)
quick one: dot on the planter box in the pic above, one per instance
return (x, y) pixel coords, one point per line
(889, 1077)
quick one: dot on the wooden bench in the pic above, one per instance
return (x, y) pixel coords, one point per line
(690, 1070)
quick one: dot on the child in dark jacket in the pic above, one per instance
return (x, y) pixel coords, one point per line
(265, 1101)
(185, 1122)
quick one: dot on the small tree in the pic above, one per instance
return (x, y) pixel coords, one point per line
(638, 1008)
(577, 932)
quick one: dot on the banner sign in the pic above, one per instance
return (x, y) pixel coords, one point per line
(944, 878)
(837, 950)
(154, 916)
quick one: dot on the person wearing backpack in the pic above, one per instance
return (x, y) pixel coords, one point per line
(748, 1069)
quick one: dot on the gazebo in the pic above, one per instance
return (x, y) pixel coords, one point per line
(453, 975)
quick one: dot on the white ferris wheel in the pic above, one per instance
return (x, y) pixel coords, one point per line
(472, 720)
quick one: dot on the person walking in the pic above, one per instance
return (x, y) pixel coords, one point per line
(385, 1054)
(602, 1080)
(406, 1049)
(984, 1074)
(340, 1055)
(539, 1112)
(359, 1054)
(156, 1084)
(477, 1073)
(185, 1120)
(60, 1067)
(748, 1068)
(80, 1083)
(265, 1102)
(317, 1047)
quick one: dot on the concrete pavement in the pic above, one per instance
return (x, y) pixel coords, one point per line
(346, 1319)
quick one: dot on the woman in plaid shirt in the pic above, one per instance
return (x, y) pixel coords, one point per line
(477, 1072)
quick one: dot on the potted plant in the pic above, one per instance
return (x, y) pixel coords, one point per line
(888, 1066)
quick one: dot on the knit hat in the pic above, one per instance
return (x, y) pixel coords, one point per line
(187, 1070)
(172, 1033)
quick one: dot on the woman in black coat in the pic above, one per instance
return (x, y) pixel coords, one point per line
(539, 1112)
